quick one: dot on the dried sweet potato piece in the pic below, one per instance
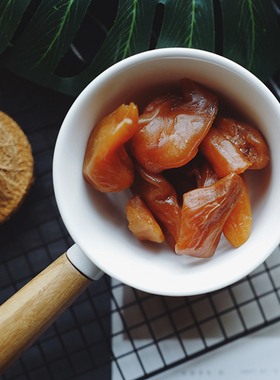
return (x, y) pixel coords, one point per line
(182, 179)
(160, 198)
(196, 173)
(141, 221)
(107, 166)
(238, 225)
(222, 154)
(204, 172)
(172, 126)
(204, 213)
(248, 139)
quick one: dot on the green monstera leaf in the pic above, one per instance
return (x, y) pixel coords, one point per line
(37, 37)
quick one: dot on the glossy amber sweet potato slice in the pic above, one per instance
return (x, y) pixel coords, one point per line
(248, 139)
(161, 199)
(172, 126)
(196, 173)
(204, 213)
(107, 166)
(141, 221)
(204, 172)
(238, 225)
(222, 154)
(182, 179)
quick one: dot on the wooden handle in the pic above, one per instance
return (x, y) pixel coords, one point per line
(29, 312)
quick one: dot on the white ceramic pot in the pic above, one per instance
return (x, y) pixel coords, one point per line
(97, 222)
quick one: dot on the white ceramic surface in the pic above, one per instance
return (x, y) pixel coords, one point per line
(97, 222)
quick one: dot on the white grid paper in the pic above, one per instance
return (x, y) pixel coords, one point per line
(153, 331)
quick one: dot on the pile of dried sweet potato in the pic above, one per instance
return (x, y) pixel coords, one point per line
(184, 163)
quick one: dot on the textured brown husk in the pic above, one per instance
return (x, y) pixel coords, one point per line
(16, 166)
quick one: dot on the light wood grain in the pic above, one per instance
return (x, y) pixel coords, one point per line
(28, 313)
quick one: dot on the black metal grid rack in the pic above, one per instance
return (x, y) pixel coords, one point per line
(110, 328)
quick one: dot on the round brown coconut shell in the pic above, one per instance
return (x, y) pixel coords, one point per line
(16, 166)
